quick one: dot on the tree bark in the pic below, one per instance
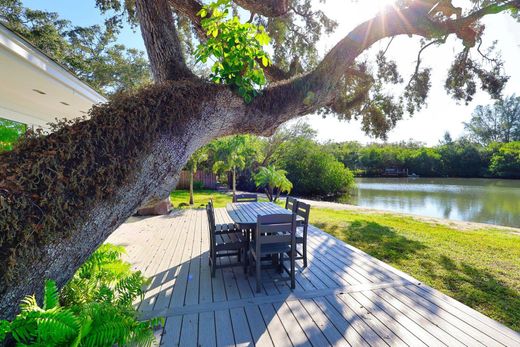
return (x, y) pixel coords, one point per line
(161, 40)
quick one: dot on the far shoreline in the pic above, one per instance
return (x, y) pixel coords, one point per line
(457, 224)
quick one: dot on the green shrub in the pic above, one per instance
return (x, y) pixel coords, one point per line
(505, 162)
(198, 185)
(93, 309)
(312, 171)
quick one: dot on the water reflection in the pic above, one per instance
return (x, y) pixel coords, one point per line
(480, 200)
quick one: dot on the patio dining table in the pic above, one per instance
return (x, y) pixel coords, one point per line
(245, 214)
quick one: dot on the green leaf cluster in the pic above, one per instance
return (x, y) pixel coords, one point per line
(93, 309)
(235, 48)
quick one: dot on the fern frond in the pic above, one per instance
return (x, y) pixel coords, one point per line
(108, 334)
(5, 328)
(50, 295)
(142, 335)
(24, 327)
(129, 288)
(57, 326)
(29, 304)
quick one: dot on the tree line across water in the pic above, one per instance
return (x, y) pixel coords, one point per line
(324, 169)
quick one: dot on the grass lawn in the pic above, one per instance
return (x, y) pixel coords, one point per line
(479, 267)
(181, 198)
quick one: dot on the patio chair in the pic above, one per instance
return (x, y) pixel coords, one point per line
(291, 203)
(225, 240)
(275, 235)
(245, 198)
(303, 210)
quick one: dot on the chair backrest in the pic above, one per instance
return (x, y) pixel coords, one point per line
(275, 228)
(245, 198)
(291, 203)
(211, 222)
(303, 210)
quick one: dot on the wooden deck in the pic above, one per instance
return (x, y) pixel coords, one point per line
(344, 297)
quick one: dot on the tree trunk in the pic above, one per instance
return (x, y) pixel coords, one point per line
(267, 194)
(191, 187)
(278, 192)
(234, 183)
(63, 194)
(161, 40)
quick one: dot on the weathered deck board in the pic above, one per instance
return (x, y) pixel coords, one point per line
(344, 297)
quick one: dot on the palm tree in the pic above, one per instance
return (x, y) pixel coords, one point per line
(274, 182)
(199, 156)
(230, 155)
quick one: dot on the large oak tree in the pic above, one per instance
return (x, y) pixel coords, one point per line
(61, 195)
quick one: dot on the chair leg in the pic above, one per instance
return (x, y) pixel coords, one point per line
(258, 274)
(305, 253)
(250, 264)
(293, 280)
(213, 265)
(245, 259)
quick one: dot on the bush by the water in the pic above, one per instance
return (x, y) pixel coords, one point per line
(312, 171)
(505, 162)
(93, 309)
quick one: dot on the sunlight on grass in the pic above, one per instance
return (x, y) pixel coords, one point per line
(480, 268)
(181, 198)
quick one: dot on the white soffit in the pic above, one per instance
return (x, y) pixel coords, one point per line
(25, 73)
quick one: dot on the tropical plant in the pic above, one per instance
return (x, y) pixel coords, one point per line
(274, 182)
(232, 153)
(196, 158)
(93, 309)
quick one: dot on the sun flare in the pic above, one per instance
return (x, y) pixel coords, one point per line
(380, 4)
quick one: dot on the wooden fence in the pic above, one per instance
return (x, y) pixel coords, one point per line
(208, 179)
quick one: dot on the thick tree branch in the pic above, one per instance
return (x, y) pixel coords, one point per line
(161, 40)
(267, 8)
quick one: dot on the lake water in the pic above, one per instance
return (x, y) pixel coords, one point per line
(492, 201)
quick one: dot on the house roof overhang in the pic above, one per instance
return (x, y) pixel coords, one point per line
(34, 89)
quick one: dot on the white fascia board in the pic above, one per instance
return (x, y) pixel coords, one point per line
(24, 50)
(22, 118)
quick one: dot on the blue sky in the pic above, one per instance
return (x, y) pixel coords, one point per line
(442, 114)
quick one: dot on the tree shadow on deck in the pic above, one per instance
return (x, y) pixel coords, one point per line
(356, 317)
(375, 239)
